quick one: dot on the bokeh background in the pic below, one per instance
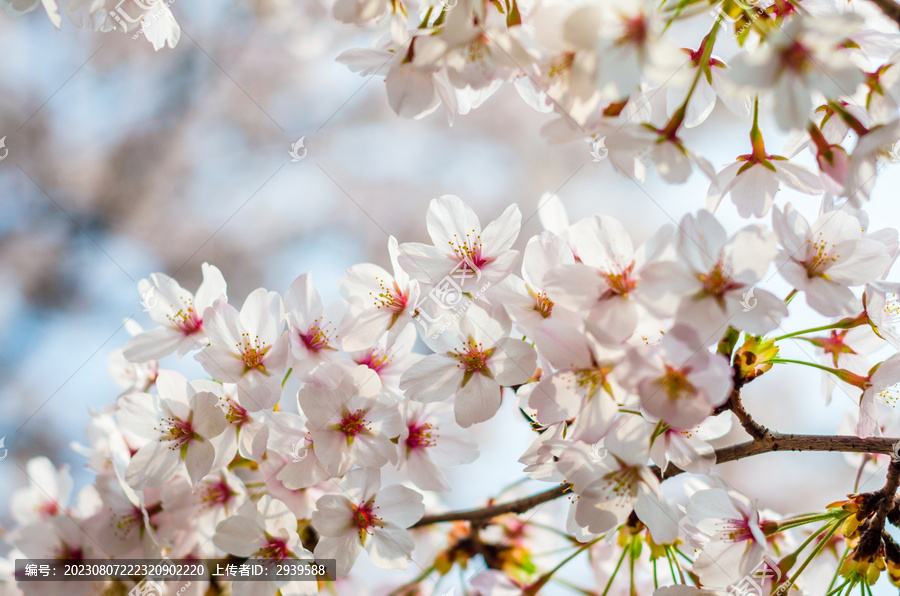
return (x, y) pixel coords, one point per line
(124, 161)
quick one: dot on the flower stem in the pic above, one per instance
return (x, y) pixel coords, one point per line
(615, 571)
(842, 324)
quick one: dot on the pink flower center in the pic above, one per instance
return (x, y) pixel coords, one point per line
(67, 552)
(795, 58)
(218, 494)
(734, 530)
(354, 423)
(235, 413)
(317, 337)
(621, 282)
(187, 320)
(252, 352)
(717, 281)
(420, 436)
(275, 548)
(473, 357)
(180, 432)
(390, 297)
(375, 360)
(821, 259)
(676, 384)
(468, 249)
(364, 519)
(542, 304)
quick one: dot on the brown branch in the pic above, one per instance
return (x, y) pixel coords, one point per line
(487, 513)
(753, 428)
(770, 443)
(890, 8)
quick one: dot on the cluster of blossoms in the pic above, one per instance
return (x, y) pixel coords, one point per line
(625, 360)
(149, 18)
(826, 69)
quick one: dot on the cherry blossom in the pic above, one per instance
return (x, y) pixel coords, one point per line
(178, 425)
(677, 381)
(267, 531)
(825, 258)
(462, 251)
(248, 347)
(716, 276)
(431, 441)
(351, 424)
(367, 515)
(381, 302)
(735, 542)
(476, 359)
(178, 313)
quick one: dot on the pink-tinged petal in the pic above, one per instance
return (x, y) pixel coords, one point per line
(372, 451)
(450, 220)
(798, 177)
(239, 535)
(659, 517)
(263, 315)
(477, 401)
(758, 315)
(173, 386)
(434, 378)
(333, 515)
(211, 289)
(390, 548)
(552, 214)
(599, 509)
(208, 418)
(720, 185)
(424, 473)
(153, 345)
(154, 464)
(596, 417)
(753, 191)
(424, 262)
(410, 91)
(603, 242)
(629, 440)
(500, 234)
(616, 316)
(830, 299)
(399, 505)
(576, 287)
(542, 254)
(513, 362)
(303, 301)
(199, 459)
(867, 425)
(331, 449)
(319, 405)
(253, 440)
(139, 413)
(343, 549)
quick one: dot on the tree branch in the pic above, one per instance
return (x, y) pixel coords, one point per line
(770, 443)
(486, 513)
(753, 428)
(890, 8)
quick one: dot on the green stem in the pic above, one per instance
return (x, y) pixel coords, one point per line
(842, 324)
(818, 548)
(546, 577)
(838, 569)
(838, 589)
(833, 371)
(615, 571)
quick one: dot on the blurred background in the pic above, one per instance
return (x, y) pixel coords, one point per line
(124, 161)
